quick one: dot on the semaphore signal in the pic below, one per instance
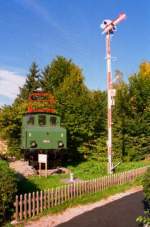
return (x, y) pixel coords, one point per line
(109, 27)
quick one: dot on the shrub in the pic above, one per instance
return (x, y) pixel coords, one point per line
(146, 186)
(145, 220)
(8, 189)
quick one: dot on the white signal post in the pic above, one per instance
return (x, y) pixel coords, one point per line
(109, 28)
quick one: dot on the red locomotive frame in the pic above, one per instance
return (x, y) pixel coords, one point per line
(41, 97)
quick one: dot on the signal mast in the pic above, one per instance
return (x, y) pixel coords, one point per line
(109, 27)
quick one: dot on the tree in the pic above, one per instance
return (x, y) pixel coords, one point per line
(120, 120)
(8, 189)
(11, 116)
(10, 124)
(131, 126)
(53, 75)
(72, 98)
(144, 69)
(32, 82)
(81, 110)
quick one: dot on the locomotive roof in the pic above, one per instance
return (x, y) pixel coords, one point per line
(35, 113)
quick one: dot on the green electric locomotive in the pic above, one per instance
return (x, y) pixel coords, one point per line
(41, 129)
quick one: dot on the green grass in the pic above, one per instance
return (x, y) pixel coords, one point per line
(85, 171)
(93, 169)
(132, 165)
(41, 183)
(89, 169)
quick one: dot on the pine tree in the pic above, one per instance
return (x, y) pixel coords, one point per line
(31, 83)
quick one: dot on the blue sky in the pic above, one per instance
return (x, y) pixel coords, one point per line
(39, 30)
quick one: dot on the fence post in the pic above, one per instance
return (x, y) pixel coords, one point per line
(65, 196)
(29, 204)
(55, 197)
(85, 187)
(110, 180)
(25, 206)
(79, 189)
(74, 189)
(41, 201)
(104, 182)
(99, 188)
(21, 207)
(77, 185)
(16, 208)
(44, 199)
(58, 195)
(52, 197)
(120, 178)
(89, 182)
(107, 182)
(88, 186)
(33, 203)
(96, 184)
(81, 184)
(62, 195)
(71, 192)
(37, 202)
(48, 198)
(68, 191)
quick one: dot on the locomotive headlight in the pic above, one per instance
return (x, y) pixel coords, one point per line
(60, 144)
(33, 144)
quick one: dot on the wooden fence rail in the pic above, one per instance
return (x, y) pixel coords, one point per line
(31, 204)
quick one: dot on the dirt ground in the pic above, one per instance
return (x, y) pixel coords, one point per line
(129, 202)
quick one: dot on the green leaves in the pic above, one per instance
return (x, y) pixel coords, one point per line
(146, 186)
(84, 112)
(54, 74)
(32, 82)
(8, 189)
(132, 116)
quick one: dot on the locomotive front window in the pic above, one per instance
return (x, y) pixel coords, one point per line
(42, 120)
(53, 121)
(30, 120)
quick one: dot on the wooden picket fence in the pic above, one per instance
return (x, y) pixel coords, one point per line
(32, 204)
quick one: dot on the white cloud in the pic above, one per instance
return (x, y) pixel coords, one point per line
(10, 83)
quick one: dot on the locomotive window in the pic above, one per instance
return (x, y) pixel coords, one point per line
(42, 120)
(30, 120)
(53, 121)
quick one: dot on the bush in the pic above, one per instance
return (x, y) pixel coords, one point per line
(146, 186)
(145, 220)
(8, 189)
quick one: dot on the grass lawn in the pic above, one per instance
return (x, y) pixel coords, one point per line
(93, 169)
(37, 183)
(85, 171)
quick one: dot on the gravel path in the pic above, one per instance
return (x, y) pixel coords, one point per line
(78, 216)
